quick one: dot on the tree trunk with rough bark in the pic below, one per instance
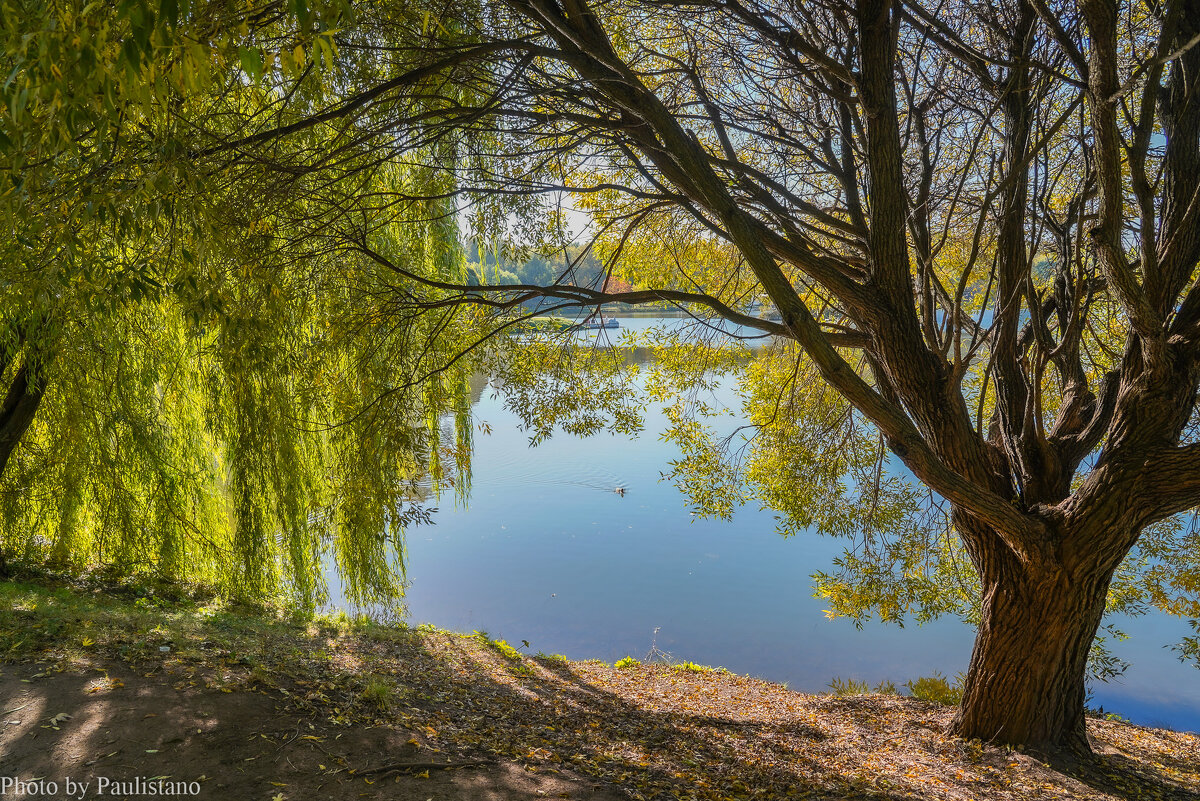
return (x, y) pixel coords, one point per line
(1025, 682)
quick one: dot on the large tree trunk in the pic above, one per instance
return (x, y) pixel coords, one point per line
(18, 409)
(1025, 683)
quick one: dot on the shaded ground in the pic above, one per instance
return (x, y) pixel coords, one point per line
(253, 709)
(242, 744)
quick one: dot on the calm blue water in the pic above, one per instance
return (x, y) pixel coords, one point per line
(546, 551)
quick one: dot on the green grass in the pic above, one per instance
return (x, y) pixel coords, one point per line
(692, 667)
(626, 663)
(499, 646)
(64, 623)
(378, 692)
(937, 689)
(80, 619)
(845, 687)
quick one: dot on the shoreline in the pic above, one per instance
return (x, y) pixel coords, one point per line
(338, 708)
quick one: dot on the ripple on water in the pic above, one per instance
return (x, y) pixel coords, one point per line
(522, 470)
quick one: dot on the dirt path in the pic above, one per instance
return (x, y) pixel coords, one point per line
(196, 742)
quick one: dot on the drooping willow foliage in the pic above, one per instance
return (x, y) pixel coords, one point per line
(246, 451)
(223, 393)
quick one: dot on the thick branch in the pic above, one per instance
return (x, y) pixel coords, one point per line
(1101, 17)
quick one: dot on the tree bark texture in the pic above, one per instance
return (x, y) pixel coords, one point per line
(1025, 682)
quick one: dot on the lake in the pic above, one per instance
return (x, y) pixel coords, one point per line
(546, 551)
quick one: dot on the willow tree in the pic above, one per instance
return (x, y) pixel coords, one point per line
(194, 387)
(977, 224)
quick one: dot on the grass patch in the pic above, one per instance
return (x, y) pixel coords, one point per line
(378, 691)
(937, 689)
(692, 667)
(845, 687)
(499, 646)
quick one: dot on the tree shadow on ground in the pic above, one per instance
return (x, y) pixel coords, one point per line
(659, 732)
(552, 716)
(217, 744)
(1118, 775)
(304, 717)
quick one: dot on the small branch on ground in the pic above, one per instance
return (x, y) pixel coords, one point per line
(409, 767)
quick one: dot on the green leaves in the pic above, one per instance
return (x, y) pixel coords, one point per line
(252, 61)
(553, 385)
(226, 400)
(169, 10)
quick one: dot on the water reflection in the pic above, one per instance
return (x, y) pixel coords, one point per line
(547, 551)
